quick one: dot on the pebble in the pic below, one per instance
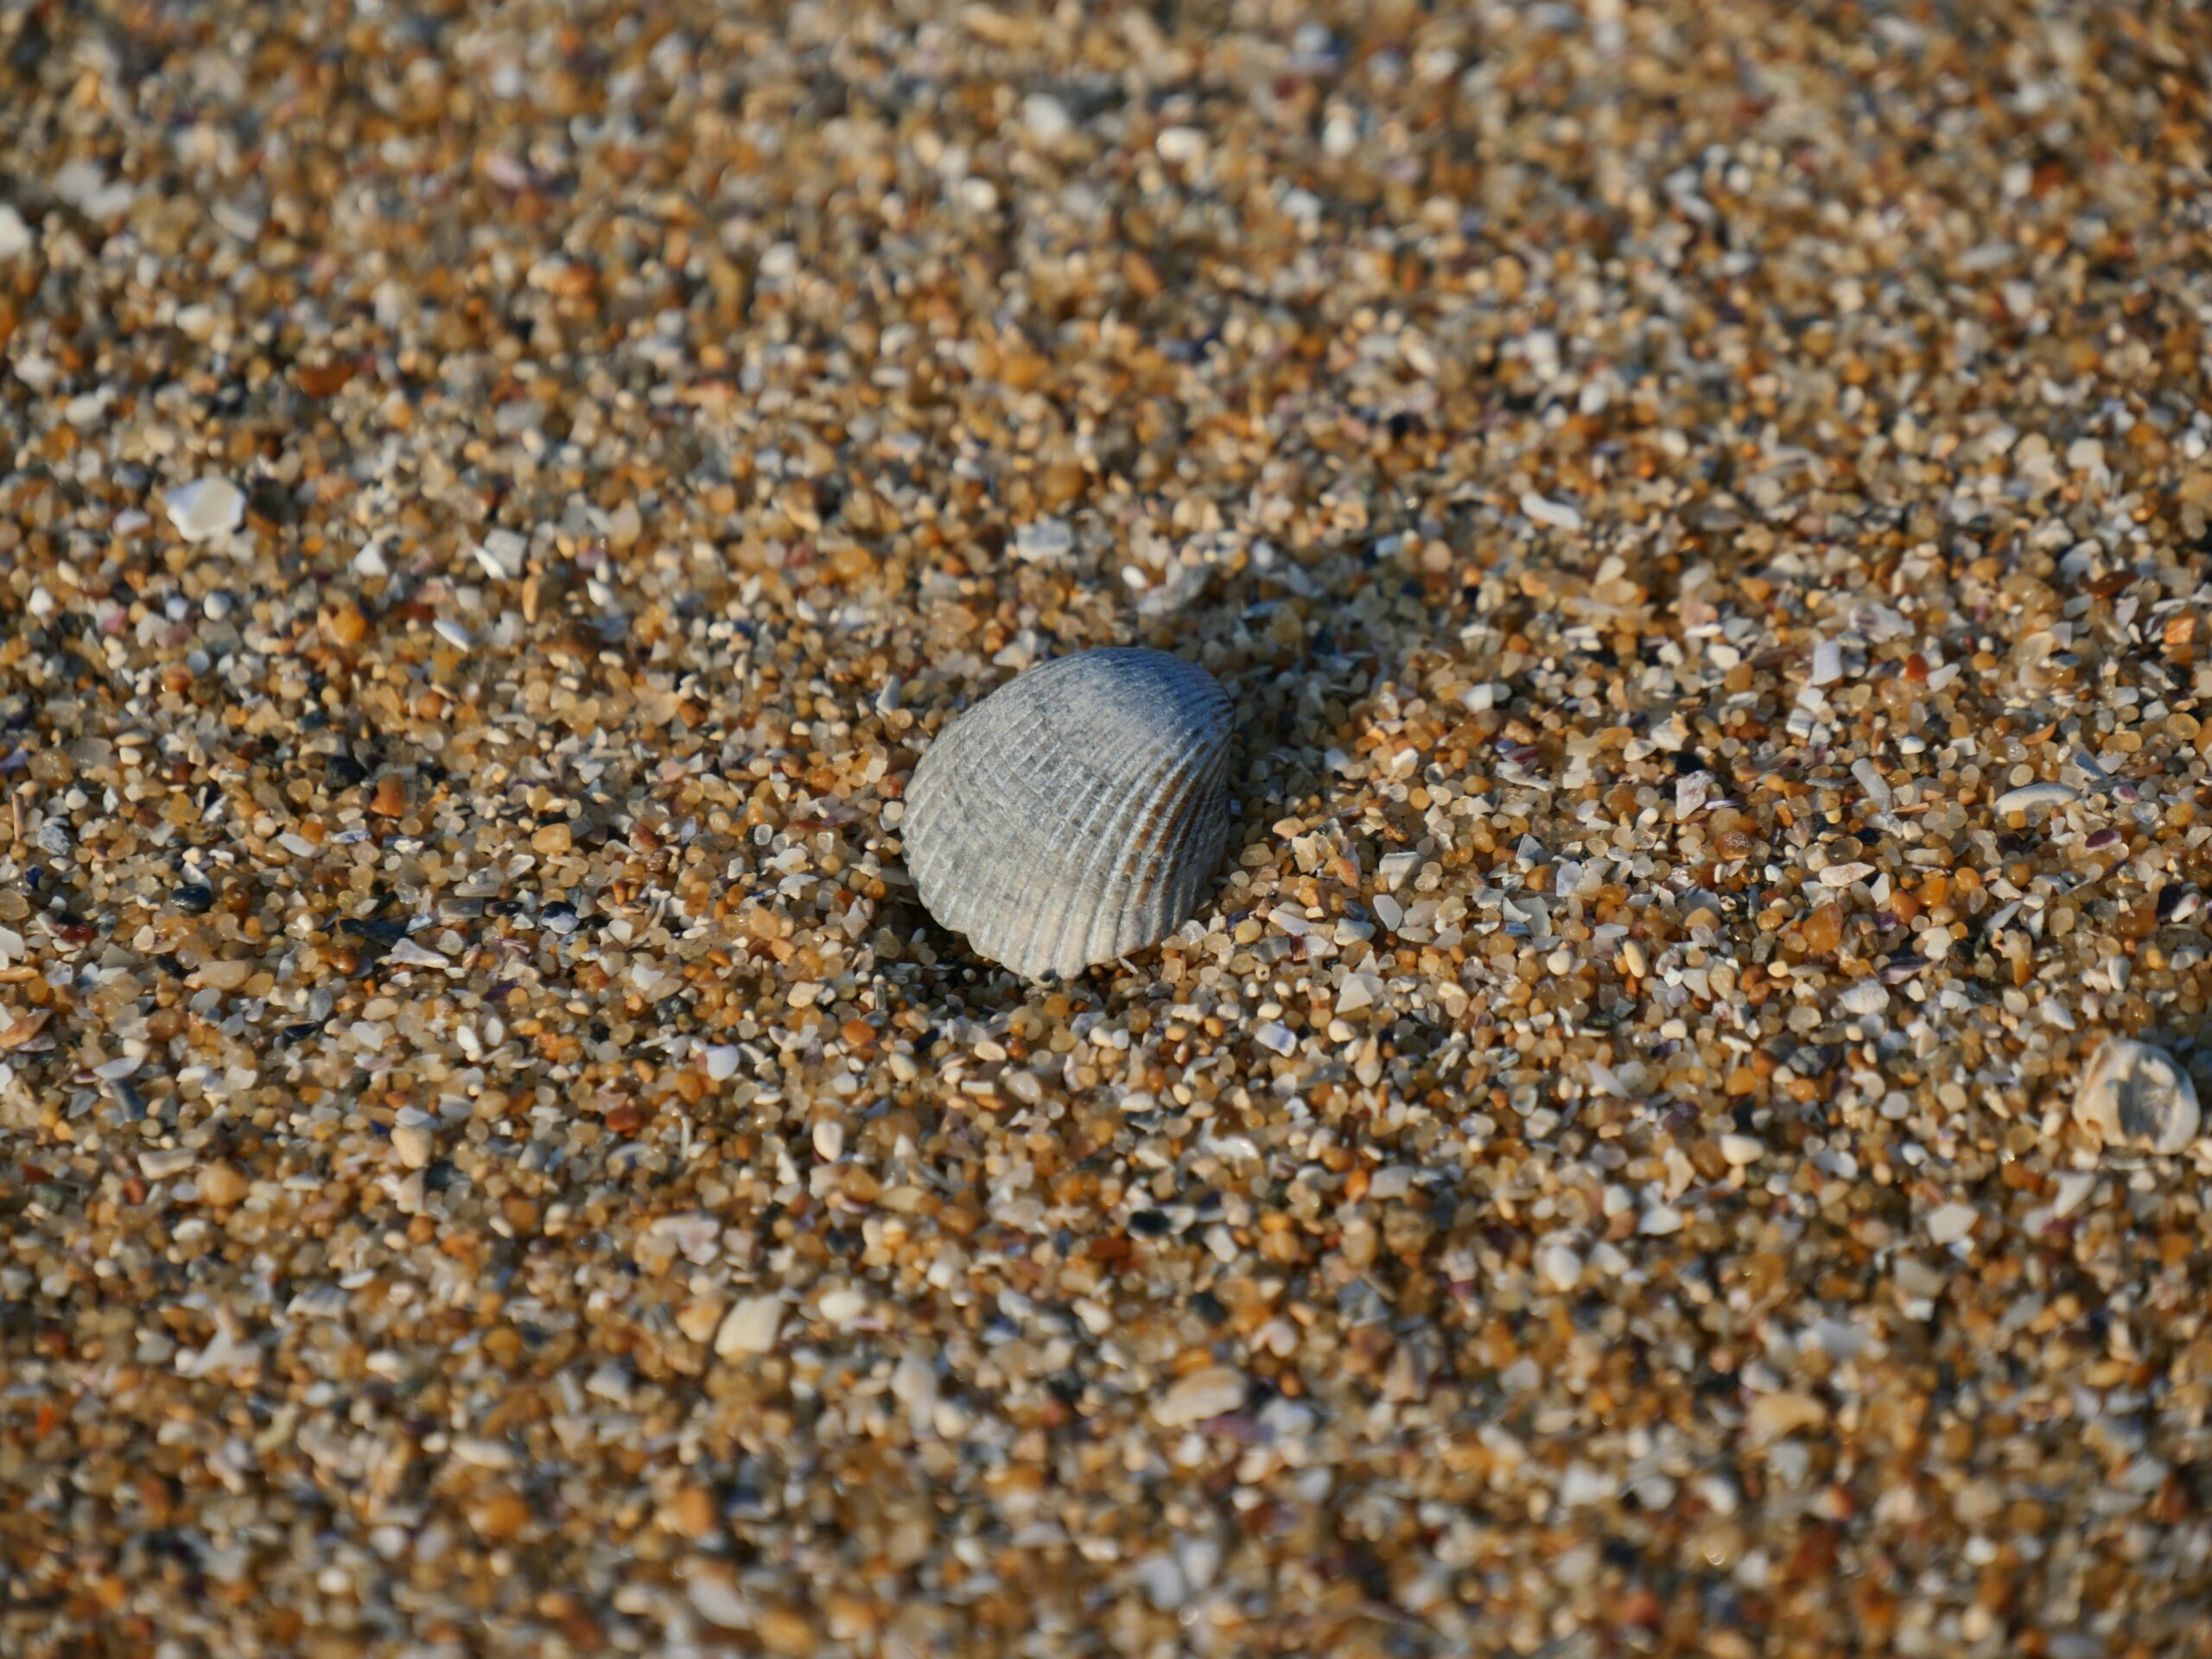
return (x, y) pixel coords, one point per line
(750, 1327)
(414, 1143)
(345, 623)
(1557, 514)
(1775, 1416)
(1866, 997)
(226, 975)
(1583, 1485)
(699, 1317)
(713, 1599)
(1046, 118)
(502, 554)
(2031, 798)
(1213, 1391)
(2075, 1188)
(1181, 146)
(223, 1184)
(1047, 539)
(841, 1307)
(1950, 1223)
(1392, 868)
(478, 1452)
(693, 1514)
(1358, 991)
(1162, 1582)
(915, 1385)
(1559, 1267)
(501, 1514)
(205, 509)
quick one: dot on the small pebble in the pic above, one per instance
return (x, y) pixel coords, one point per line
(501, 1516)
(226, 975)
(2075, 1188)
(713, 1599)
(1046, 118)
(1182, 146)
(1045, 540)
(1742, 1150)
(1877, 787)
(1948, 1224)
(2031, 798)
(1559, 1267)
(1212, 1392)
(1774, 1416)
(207, 509)
(750, 1327)
(693, 1513)
(699, 1317)
(841, 1307)
(414, 1144)
(223, 1184)
(1557, 514)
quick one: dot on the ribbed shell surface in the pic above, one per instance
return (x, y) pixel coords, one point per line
(1075, 814)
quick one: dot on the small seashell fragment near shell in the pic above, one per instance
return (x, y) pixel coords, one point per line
(1076, 814)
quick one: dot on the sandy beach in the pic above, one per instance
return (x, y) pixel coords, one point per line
(1700, 511)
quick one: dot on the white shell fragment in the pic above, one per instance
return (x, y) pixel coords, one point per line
(750, 1327)
(207, 509)
(1213, 1392)
(2029, 796)
(2136, 1096)
(1075, 814)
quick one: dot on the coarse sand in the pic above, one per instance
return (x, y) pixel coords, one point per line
(1702, 509)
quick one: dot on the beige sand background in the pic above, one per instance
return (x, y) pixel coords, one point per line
(495, 500)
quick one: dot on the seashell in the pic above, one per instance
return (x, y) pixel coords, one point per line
(2136, 1096)
(1075, 814)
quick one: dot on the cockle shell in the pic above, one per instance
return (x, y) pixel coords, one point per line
(2136, 1096)
(1075, 814)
